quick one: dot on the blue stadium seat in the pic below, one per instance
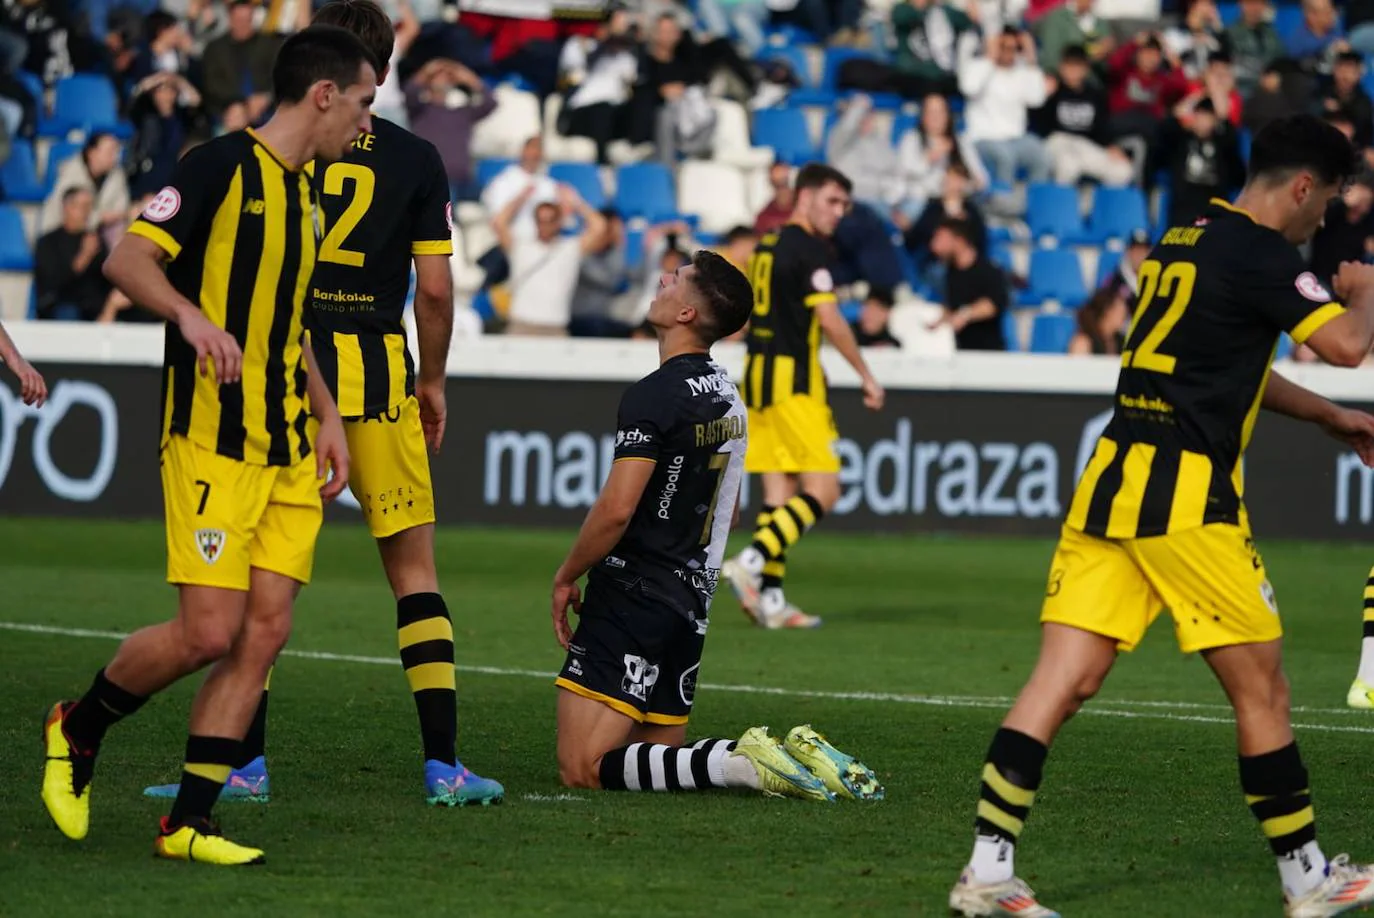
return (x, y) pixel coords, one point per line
(1011, 332)
(1285, 348)
(1052, 210)
(646, 190)
(34, 84)
(19, 174)
(782, 35)
(1162, 217)
(634, 247)
(481, 304)
(999, 253)
(1106, 264)
(1055, 274)
(585, 177)
(827, 89)
(84, 102)
(1230, 13)
(1051, 333)
(14, 245)
(901, 123)
(487, 170)
(1288, 17)
(59, 153)
(1243, 140)
(1117, 212)
(786, 131)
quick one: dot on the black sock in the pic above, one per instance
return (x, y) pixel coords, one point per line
(207, 767)
(103, 705)
(1278, 793)
(1011, 776)
(425, 636)
(654, 767)
(254, 743)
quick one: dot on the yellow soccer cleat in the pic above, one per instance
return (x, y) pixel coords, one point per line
(204, 844)
(66, 777)
(843, 774)
(1361, 696)
(780, 775)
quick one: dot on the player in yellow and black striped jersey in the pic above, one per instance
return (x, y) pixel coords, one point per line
(791, 429)
(1158, 518)
(386, 205)
(236, 232)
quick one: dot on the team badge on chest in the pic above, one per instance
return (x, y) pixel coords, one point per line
(210, 544)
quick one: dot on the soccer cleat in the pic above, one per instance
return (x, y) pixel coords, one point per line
(780, 775)
(745, 587)
(844, 775)
(454, 785)
(66, 777)
(1347, 886)
(989, 900)
(203, 843)
(775, 612)
(248, 784)
(1361, 695)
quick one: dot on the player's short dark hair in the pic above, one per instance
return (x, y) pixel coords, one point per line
(729, 298)
(818, 175)
(320, 52)
(1074, 54)
(364, 19)
(1301, 143)
(737, 233)
(959, 227)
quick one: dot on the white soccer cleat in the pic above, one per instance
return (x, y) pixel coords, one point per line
(988, 900)
(745, 586)
(775, 612)
(1361, 695)
(1347, 886)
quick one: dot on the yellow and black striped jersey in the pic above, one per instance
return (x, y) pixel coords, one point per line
(790, 274)
(239, 226)
(1214, 298)
(385, 202)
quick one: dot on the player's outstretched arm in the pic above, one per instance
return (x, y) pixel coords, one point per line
(32, 389)
(434, 328)
(1345, 340)
(837, 330)
(331, 446)
(1354, 428)
(135, 267)
(601, 530)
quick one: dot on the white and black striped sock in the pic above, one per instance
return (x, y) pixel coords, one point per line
(654, 767)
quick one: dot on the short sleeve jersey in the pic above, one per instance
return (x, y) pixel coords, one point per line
(687, 418)
(1214, 298)
(384, 203)
(238, 225)
(790, 274)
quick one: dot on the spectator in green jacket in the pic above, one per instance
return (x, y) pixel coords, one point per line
(1072, 24)
(929, 33)
(1255, 44)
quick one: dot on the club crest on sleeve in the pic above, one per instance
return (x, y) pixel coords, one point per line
(448, 214)
(822, 281)
(1310, 287)
(163, 206)
(210, 544)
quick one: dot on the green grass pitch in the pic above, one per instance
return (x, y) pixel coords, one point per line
(923, 640)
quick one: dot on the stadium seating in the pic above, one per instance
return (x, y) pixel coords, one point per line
(1055, 274)
(1011, 330)
(786, 131)
(585, 177)
(514, 121)
(59, 153)
(14, 245)
(488, 169)
(1052, 213)
(1051, 333)
(560, 147)
(715, 193)
(19, 174)
(1106, 264)
(645, 190)
(1117, 213)
(84, 102)
(731, 143)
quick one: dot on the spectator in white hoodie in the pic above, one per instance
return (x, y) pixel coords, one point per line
(1001, 88)
(926, 153)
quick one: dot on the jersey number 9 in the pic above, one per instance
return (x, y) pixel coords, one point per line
(336, 179)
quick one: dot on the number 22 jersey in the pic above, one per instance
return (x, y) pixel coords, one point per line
(387, 201)
(1214, 298)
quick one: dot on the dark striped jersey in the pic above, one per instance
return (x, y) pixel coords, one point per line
(1214, 298)
(383, 203)
(239, 226)
(790, 274)
(688, 419)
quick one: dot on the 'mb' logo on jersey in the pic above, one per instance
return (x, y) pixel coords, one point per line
(255, 206)
(210, 544)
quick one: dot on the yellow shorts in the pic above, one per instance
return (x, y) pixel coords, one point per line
(225, 517)
(1211, 579)
(389, 469)
(794, 435)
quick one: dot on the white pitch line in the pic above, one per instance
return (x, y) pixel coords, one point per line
(1153, 710)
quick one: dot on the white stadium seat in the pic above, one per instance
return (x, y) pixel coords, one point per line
(731, 143)
(715, 192)
(501, 134)
(14, 295)
(559, 148)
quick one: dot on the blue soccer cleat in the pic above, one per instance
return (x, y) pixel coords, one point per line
(248, 784)
(454, 785)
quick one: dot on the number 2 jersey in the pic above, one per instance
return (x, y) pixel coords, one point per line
(688, 419)
(1214, 298)
(387, 201)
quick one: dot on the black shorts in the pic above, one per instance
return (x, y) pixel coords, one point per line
(633, 652)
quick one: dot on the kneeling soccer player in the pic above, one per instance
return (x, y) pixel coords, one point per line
(1158, 517)
(652, 546)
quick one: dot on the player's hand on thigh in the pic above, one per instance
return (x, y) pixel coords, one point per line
(433, 413)
(565, 594)
(331, 454)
